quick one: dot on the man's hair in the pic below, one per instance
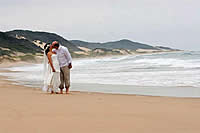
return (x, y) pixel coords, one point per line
(56, 45)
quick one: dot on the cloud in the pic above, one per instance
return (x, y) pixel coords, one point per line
(172, 22)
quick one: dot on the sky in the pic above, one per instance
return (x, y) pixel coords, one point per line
(173, 23)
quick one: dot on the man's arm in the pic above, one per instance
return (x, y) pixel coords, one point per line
(68, 56)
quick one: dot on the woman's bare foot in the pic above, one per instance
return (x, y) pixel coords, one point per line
(67, 92)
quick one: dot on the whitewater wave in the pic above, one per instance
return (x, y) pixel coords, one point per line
(165, 69)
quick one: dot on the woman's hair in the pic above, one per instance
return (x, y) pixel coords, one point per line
(47, 48)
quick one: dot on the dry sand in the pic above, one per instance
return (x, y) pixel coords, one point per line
(28, 110)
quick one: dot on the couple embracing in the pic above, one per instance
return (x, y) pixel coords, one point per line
(57, 65)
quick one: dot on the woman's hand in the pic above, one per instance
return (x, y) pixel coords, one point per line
(53, 70)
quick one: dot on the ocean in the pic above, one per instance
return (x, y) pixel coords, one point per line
(174, 74)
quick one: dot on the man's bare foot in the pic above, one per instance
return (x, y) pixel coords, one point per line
(61, 91)
(67, 90)
(52, 92)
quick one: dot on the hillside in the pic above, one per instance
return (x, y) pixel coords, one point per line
(18, 48)
(42, 38)
(20, 43)
(122, 47)
(122, 44)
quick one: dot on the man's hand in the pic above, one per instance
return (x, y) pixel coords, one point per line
(53, 70)
(70, 65)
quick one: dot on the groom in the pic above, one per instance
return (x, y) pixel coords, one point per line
(65, 62)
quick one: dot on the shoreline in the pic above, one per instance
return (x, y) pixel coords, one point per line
(153, 91)
(25, 109)
(11, 82)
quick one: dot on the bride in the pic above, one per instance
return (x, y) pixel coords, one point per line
(51, 70)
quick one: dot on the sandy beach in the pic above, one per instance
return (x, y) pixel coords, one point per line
(28, 110)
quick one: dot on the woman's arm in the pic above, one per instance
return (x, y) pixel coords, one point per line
(50, 61)
(51, 49)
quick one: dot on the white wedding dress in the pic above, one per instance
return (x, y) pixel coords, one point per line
(51, 79)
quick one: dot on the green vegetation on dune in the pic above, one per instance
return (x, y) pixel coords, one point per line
(43, 37)
(11, 48)
(12, 45)
(5, 52)
(27, 58)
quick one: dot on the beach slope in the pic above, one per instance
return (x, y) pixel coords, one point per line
(28, 110)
